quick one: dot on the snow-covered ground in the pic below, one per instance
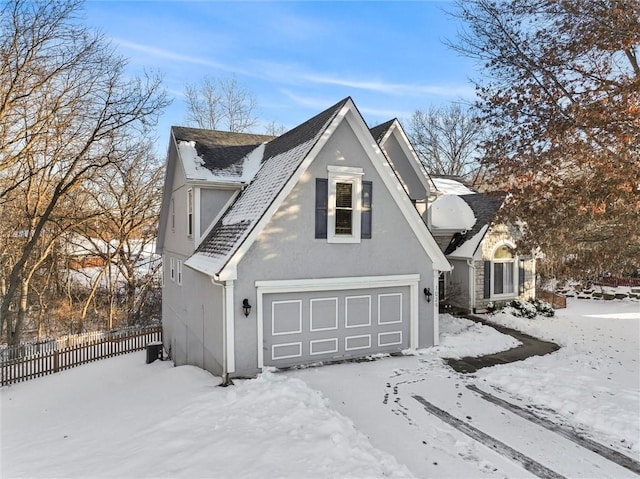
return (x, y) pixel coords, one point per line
(123, 418)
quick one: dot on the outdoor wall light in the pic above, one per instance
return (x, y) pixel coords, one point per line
(428, 294)
(246, 307)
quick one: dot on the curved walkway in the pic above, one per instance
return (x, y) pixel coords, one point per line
(530, 346)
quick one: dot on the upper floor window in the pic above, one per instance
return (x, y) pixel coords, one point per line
(343, 206)
(190, 212)
(173, 214)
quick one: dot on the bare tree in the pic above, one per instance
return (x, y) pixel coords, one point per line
(128, 198)
(447, 139)
(220, 104)
(274, 129)
(560, 89)
(67, 110)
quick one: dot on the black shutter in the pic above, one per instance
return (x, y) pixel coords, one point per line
(487, 279)
(322, 198)
(521, 277)
(367, 195)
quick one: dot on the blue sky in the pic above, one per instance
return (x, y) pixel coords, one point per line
(298, 58)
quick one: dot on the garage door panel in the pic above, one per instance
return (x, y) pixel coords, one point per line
(323, 346)
(286, 317)
(390, 338)
(354, 343)
(286, 350)
(390, 308)
(323, 314)
(358, 311)
(305, 327)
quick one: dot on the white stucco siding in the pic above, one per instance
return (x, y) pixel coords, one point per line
(287, 249)
(212, 204)
(406, 171)
(176, 241)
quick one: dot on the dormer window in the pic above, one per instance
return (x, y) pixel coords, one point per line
(343, 205)
(344, 209)
(190, 212)
(173, 214)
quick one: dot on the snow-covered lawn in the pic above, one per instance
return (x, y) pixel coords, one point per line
(593, 381)
(123, 418)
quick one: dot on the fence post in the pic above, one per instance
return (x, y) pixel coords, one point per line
(56, 361)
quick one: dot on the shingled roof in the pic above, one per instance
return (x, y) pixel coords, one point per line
(221, 152)
(379, 131)
(485, 207)
(282, 157)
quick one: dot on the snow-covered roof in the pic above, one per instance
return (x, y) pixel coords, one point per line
(217, 156)
(281, 157)
(467, 248)
(450, 212)
(450, 186)
(484, 207)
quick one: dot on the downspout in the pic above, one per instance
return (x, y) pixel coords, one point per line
(472, 285)
(436, 307)
(228, 332)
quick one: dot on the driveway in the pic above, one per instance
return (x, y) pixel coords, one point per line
(421, 411)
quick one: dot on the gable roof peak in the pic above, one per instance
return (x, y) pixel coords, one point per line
(379, 131)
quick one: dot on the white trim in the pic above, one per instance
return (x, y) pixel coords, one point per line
(347, 338)
(191, 224)
(407, 148)
(380, 344)
(172, 268)
(333, 284)
(515, 271)
(311, 343)
(380, 322)
(274, 346)
(472, 284)
(273, 317)
(414, 316)
(311, 328)
(436, 307)
(352, 176)
(260, 331)
(347, 171)
(346, 311)
(173, 214)
(196, 215)
(228, 327)
(179, 272)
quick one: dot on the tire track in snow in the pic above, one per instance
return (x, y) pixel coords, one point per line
(500, 447)
(564, 431)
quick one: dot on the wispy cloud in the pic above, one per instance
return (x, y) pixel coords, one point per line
(382, 113)
(309, 102)
(316, 103)
(402, 89)
(169, 55)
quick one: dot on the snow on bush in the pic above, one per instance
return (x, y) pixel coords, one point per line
(523, 309)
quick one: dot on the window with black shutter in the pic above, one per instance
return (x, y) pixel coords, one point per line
(322, 194)
(367, 194)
